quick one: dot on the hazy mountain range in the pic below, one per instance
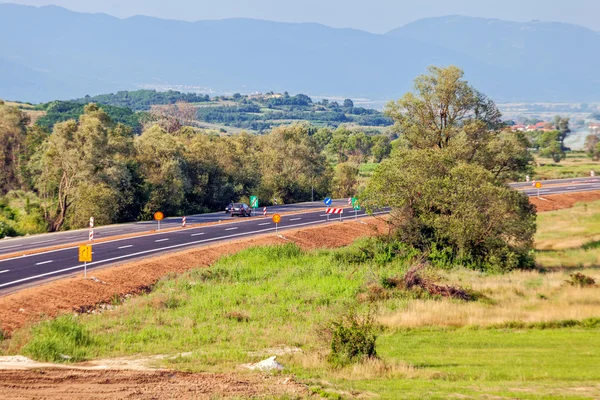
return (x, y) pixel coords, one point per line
(52, 53)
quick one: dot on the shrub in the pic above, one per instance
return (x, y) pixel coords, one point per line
(60, 340)
(353, 339)
(581, 280)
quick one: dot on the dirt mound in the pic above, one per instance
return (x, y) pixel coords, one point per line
(111, 384)
(561, 201)
(76, 294)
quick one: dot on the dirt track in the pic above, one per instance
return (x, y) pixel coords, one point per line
(110, 384)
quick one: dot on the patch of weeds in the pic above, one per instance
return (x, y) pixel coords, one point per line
(116, 300)
(325, 395)
(353, 339)
(591, 245)
(542, 296)
(172, 303)
(62, 339)
(237, 316)
(580, 280)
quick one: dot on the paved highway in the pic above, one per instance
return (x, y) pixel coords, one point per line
(31, 268)
(563, 186)
(20, 244)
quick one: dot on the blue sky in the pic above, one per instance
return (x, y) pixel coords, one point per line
(376, 16)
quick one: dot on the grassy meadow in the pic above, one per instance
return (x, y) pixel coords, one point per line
(575, 165)
(525, 334)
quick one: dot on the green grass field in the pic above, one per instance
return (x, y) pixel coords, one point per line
(530, 335)
(577, 164)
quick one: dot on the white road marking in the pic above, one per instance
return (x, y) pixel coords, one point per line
(161, 240)
(198, 234)
(231, 229)
(125, 247)
(44, 262)
(11, 247)
(295, 219)
(6, 270)
(324, 215)
(264, 223)
(44, 241)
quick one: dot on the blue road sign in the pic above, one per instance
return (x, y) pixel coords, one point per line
(328, 202)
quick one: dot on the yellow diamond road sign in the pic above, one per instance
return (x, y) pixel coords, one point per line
(85, 253)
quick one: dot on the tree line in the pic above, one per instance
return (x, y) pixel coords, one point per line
(94, 166)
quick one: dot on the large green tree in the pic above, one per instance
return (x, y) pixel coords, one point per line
(445, 180)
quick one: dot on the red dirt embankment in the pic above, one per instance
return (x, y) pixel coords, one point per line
(76, 294)
(560, 201)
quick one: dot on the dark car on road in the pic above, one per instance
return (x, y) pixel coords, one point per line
(240, 209)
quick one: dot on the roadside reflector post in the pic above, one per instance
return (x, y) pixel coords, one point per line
(276, 219)
(159, 216)
(183, 222)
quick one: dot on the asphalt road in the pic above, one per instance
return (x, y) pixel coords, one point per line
(19, 244)
(50, 264)
(566, 186)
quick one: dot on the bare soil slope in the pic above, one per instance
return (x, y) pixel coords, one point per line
(111, 384)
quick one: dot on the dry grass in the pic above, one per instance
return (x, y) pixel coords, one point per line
(519, 296)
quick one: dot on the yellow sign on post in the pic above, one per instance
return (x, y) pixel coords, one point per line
(85, 253)
(85, 256)
(538, 185)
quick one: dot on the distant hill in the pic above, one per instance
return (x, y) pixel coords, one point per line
(554, 61)
(55, 53)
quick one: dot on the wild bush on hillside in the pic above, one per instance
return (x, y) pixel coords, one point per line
(353, 339)
(581, 280)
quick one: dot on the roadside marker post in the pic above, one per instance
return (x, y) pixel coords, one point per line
(356, 207)
(538, 185)
(276, 219)
(91, 222)
(350, 201)
(254, 203)
(327, 202)
(264, 211)
(159, 216)
(91, 235)
(85, 256)
(183, 222)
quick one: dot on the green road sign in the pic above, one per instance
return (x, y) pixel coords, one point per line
(355, 204)
(253, 201)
